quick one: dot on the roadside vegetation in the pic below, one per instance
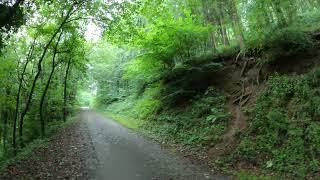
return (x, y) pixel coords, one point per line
(180, 71)
(43, 65)
(236, 79)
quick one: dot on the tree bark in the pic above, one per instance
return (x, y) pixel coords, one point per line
(220, 20)
(5, 122)
(42, 121)
(237, 26)
(29, 99)
(30, 54)
(213, 41)
(65, 91)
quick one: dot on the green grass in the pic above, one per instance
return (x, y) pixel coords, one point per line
(245, 175)
(201, 122)
(131, 123)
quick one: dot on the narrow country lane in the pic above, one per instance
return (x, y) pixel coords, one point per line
(96, 148)
(123, 154)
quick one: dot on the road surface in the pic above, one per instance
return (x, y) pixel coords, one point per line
(125, 155)
(96, 148)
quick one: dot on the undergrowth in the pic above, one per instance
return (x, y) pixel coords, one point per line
(201, 121)
(245, 175)
(284, 132)
(288, 42)
(7, 158)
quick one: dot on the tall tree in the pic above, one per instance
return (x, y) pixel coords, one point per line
(55, 51)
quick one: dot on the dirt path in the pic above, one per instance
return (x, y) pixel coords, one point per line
(98, 148)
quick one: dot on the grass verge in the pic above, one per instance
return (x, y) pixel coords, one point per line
(123, 120)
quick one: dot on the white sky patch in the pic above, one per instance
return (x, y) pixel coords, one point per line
(93, 32)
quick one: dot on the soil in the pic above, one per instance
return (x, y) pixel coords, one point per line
(68, 155)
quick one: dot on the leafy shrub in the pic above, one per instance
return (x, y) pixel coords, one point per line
(202, 121)
(148, 104)
(228, 51)
(309, 21)
(285, 128)
(288, 42)
(244, 175)
(186, 80)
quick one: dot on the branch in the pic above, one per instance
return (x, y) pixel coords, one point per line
(65, 51)
(18, 2)
(78, 18)
(78, 5)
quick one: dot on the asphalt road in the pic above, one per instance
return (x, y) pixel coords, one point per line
(125, 155)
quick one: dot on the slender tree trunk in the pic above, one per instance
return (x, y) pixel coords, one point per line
(225, 36)
(207, 13)
(5, 123)
(7, 114)
(42, 121)
(15, 118)
(29, 99)
(237, 25)
(65, 91)
(213, 41)
(220, 19)
(292, 11)
(280, 16)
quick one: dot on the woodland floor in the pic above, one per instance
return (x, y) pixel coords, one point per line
(68, 155)
(98, 148)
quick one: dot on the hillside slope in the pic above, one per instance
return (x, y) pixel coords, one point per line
(255, 115)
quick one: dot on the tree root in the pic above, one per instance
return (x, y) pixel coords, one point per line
(237, 58)
(258, 75)
(244, 68)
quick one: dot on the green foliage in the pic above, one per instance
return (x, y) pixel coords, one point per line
(137, 107)
(42, 64)
(284, 132)
(176, 46)
(148, 104)
(155, 63)
(202, 121)
(287, 43)
(172, 41)
(186, 80)
(126, 121)
(308, 21)
(244, 175)
(85, 99)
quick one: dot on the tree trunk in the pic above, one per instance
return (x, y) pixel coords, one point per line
(213, 41)
(237, 25)
(65, 91)
(42, 121)
(220, 19)
(5, 122)
(29, 99)
(278, 11)
(15, 118)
